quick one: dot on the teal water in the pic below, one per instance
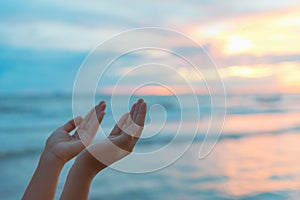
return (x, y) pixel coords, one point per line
(256, 156)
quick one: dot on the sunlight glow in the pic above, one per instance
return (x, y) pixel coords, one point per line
(273, 33)
(289, 77)
(289, 22)
(263, 36)
(257, 71)
(238, 44)
(190, 75)
(155, 90)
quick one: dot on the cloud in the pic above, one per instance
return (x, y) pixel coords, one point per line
(80, 25)
(274, 33)
(53, 35)
(243, 38)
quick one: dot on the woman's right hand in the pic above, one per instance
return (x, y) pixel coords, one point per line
(119, 143)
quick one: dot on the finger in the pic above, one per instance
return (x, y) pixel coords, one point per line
(87, 135)
(86, 121)
(135, 108)
(130, 118)
(89, 115)
(132, 110)
(140, 101)
(94, 123)
(92, 126)
(119, 125)
(141, 115)
(97, 115)
(134, 130)
(101, 109)
(71, 125)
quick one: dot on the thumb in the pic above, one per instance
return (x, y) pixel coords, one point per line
(71, 125)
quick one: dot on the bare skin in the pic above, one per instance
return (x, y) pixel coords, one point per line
(60, 148)
(96, 157)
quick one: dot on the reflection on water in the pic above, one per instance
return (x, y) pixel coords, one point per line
(255, 158)
(260, 164)
(261, 123)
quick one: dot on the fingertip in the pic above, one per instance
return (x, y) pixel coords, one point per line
(140, 100)
(138, 105)
(132, 108)
(78, 118)
(101, 105)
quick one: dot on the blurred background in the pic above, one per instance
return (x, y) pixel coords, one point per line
(255, 46)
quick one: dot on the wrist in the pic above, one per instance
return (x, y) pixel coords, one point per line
(80, 172)
(48, 157)
(87, 165)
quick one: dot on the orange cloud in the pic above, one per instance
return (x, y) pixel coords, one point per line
(155, 90)
(281, 77)
(288, 74)
(273, 33)
(260, 78)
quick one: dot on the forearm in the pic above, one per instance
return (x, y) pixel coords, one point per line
(99, 155)
(77, 186)
(44, 181)
(80, 177)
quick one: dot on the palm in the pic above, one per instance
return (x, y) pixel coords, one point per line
(122, 138)
(66, 146)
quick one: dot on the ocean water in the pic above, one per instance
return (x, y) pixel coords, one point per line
(256, 156)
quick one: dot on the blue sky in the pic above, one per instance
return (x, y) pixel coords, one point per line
(43, 43)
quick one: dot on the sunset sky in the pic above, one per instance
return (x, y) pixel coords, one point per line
(255, 44)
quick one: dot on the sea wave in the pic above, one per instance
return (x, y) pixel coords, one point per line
(13, 151)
